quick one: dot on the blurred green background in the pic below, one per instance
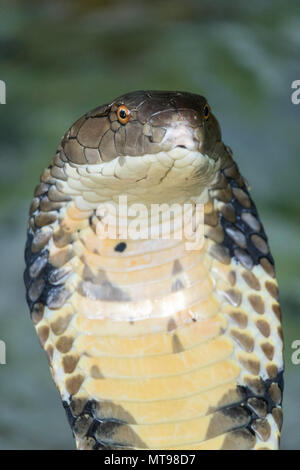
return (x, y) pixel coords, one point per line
(60, 59)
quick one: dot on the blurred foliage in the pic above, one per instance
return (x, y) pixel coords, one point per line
(62, 58)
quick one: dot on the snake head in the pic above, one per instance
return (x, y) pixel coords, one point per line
(153, 126)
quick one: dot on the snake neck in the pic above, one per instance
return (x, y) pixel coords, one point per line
(177, 176)
(63, 230)
(170, 180)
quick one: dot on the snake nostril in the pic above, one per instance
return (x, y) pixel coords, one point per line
(181, 146)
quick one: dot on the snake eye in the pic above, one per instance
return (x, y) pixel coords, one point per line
(206, 112)
(123, 114)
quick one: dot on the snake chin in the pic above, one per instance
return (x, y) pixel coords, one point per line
(178, 175)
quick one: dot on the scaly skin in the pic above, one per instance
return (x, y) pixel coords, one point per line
(153, 346)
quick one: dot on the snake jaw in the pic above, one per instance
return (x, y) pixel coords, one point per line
(177, 175)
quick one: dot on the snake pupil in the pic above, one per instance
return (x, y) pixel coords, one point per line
(122, 114)
(206, 111)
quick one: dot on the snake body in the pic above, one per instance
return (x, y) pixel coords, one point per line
(153, 346)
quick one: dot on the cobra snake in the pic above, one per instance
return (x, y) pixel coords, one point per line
(151, 345)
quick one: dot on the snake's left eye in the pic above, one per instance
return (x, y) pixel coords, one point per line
(206, 112)
(123, 114)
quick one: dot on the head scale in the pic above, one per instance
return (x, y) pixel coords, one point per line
(156, 121)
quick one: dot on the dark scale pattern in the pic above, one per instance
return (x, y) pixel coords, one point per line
(239, 224)
(93, 425)
(48, 290)
(43, 269)
(263, 395)
(263, 401)
(42, 189)
(87, 424)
